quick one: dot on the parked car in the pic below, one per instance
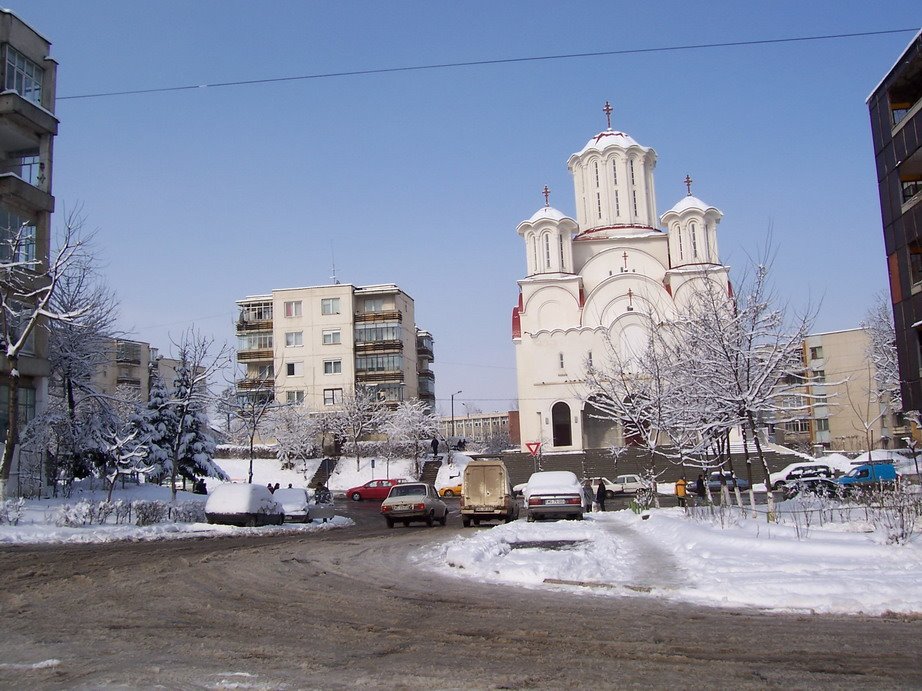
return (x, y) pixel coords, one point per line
(797, 471)
(812, 486)
(295, 502)
(413, 501)
(554, 494)
(714, 481)
(451, 490)
(243, 505)
(486, 493)
(374, 490)
(622, 484)
(868, 475)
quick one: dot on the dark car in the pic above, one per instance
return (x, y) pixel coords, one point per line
(714, 481)
(812, 487)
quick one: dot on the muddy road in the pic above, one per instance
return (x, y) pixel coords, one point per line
(344, 608)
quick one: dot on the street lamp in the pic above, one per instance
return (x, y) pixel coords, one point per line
(453, 412)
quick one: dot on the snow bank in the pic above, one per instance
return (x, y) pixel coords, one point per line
(346, 475)
(452, 472)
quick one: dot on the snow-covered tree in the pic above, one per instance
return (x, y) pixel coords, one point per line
(406, 424)
(28, 283)
(360, 413)
(252, 409)
(881, 353)
(297, 432)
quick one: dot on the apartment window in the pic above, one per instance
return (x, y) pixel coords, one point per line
(293, 308)
(256, 312)
(816, 353)
(26, 408)
(380, 331)
(915, 261)
(294, 338)
(332, 396)
(797, 426)
(265, 372)
(17, 237)
(379, 363)
(819, 376)
(332, 366)
(294, 369)
(374, 305)
(329, 306)
(822, 425)
(257, 341)
(23, 76)
(332, 337)
(294, 396)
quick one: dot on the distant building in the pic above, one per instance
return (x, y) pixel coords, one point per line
(896, 126)
(601, 275)
(128, 369)
(27, 130)
(478, 427)
(840, 402)
(317, 344)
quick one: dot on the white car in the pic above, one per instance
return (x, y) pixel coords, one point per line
(243, 505)
(798, 471)
(413, 501)
(622, 484)
(295, 503)
(554, 494)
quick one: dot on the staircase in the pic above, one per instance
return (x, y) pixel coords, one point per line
(322, 476)
(430, 471)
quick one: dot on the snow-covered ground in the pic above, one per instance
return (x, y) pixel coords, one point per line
(837, 568)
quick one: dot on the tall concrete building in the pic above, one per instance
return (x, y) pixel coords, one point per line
(896, 126)
(128, 368)
(317, 344)
(27, 130)
(601, 275)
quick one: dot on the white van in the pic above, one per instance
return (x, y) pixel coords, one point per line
(486, 493)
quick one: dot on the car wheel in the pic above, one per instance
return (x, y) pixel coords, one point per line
(356, 496)
(449, 493)
(430, 518)
(444, 519)
(476, 521)
(609, 494)
(466, 522)
(390, 523)
(578, 516)
(406, 523)
(777, 486)
(530, 518)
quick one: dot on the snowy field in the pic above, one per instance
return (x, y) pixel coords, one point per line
(837, 568)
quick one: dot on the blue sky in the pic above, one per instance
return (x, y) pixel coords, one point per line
(419, 178)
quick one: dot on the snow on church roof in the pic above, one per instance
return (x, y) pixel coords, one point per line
(690, 202)
(547, 212)
(607, 138)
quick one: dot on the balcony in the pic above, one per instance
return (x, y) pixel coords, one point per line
(426, 374)
(394, 346)
(255, 384)
(246, 325)
(390, 376)
(253, 355)
(390, 315)
(424, 349)
(127, 381)
(20, 122)
(29, 196)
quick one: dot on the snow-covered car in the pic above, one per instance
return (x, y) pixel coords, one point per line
(554, 494)
(243, 505)
(798, 471)
(714, 481)
(413, 501)
(812, 487)
(295, 502)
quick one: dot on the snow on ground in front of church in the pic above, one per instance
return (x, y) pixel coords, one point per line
(838, 568)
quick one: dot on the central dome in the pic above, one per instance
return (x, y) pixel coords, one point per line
(607, 138)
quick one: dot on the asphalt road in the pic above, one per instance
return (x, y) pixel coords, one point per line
(345, 608)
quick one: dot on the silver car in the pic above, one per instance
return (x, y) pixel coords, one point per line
(413, 501)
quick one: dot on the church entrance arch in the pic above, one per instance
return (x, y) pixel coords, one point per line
(560, 424)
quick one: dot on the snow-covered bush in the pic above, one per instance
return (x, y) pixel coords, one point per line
(149, 512)
(11, 511)
(188, 512)
(74, 515)
(140, 512)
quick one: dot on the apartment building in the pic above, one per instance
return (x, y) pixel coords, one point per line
(27, 130)
(895, 108)
(316, 344)
(479, 427)
(841, 408)
(128, 367)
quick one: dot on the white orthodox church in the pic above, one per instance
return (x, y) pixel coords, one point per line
(596, 276)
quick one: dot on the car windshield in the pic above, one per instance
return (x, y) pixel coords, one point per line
(407, 490)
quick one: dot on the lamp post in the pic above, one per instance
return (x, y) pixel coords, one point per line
(453, 412)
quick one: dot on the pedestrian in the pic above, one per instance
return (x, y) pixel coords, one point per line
(600, 495)
(588, 494)
(289, 486)
(435, 446)
(271, 488)
(680, 492)
(700, 489)
(277, 486)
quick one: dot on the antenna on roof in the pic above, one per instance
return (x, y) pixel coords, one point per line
(333, 262)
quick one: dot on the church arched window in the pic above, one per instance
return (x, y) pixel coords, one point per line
(560, 247)
(617, 204)
(596, 166)
(614, 171)
(707, 241)
(534, 253)
(560, 424)
(694, 239)
(598, 203)
(547, 250)
(678, 233)
(633, 180)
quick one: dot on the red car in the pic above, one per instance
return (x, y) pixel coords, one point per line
(376, 490)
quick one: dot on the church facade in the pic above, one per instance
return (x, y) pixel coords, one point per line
(599, 277)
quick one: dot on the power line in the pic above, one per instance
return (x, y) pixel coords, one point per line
(480, 63)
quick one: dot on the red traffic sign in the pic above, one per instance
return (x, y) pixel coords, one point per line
(533, 447)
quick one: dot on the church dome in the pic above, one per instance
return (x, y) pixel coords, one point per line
(689, 202)
(607, 138)
(548, 212)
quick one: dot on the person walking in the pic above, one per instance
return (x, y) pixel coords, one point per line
(700, 489)
(435, 446)
(600, 495)
(680, 492)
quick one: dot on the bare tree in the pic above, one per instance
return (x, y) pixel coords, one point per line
(361, 413)
(252, 406)
(409, 422)
(297, 432)
(28, 284)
